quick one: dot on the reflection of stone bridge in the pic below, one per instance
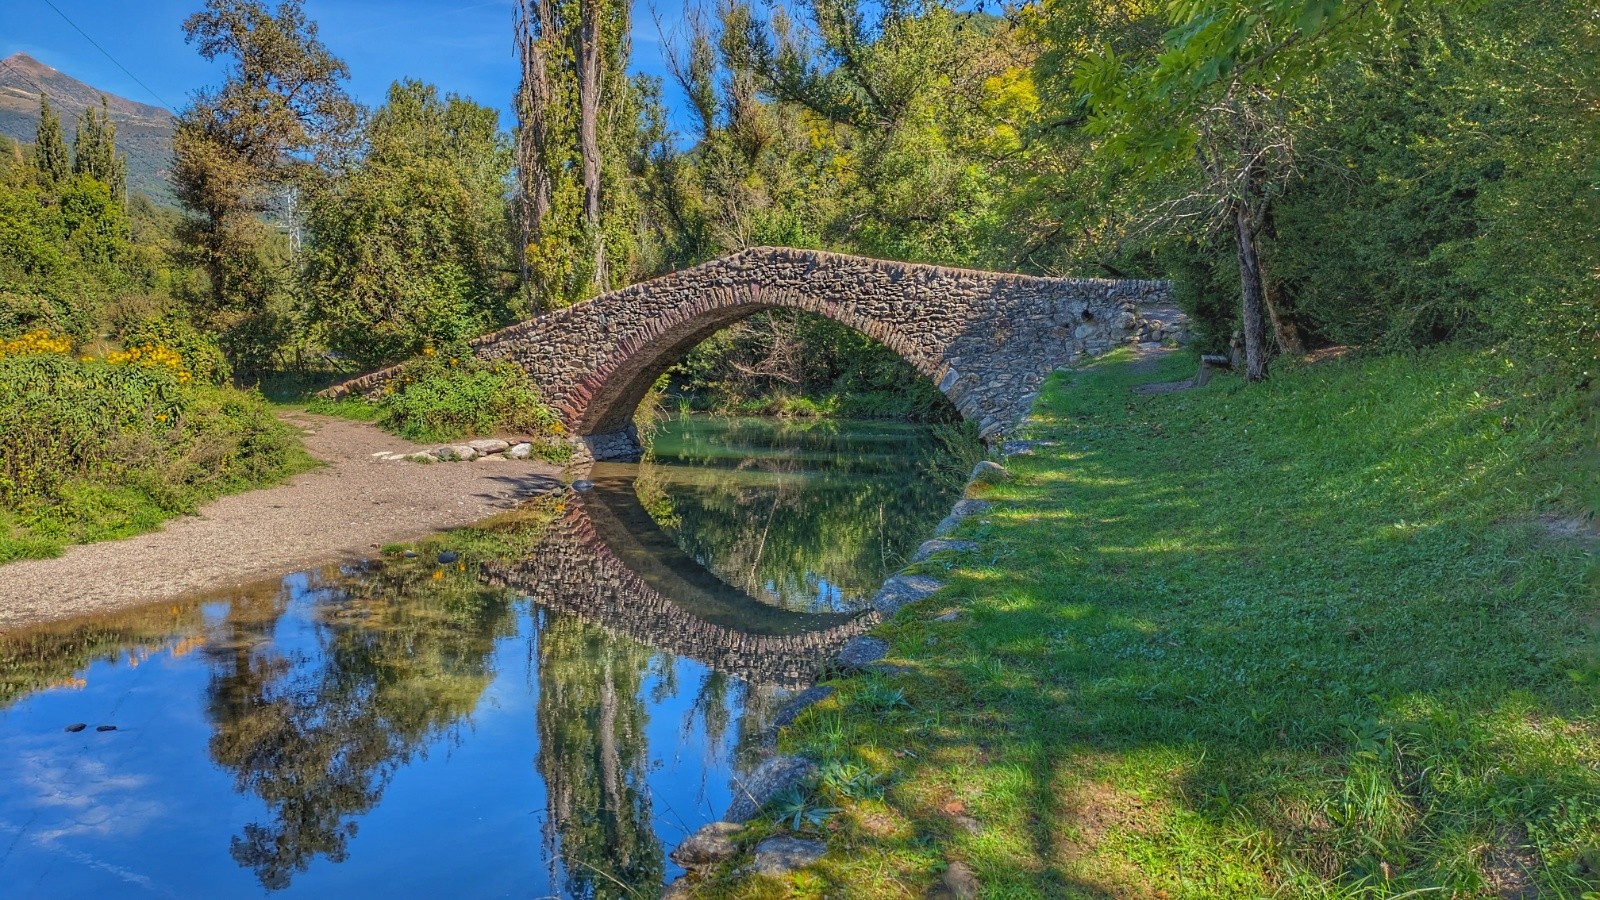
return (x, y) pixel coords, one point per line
(986, 339)
(605, 560)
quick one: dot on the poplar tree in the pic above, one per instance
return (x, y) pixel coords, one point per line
(50, 147)
(581, 122)
(94, 150)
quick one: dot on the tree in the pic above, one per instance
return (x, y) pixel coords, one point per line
(1217, 97)
(411, 247)
(587, 41)
(536, 105)
(279, 119)
(584, 132)
(94, 150)
(50, 147)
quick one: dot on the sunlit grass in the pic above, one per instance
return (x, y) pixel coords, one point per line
(1307, 639)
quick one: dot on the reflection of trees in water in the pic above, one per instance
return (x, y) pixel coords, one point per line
(56, 654)
(594, 758)
(776, 509)
(594, 753)
(397, 660)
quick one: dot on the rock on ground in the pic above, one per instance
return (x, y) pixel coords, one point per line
(903, 589)
(800, 703)
(770, 779)
(959, 512)
(940, 545)
(705, 848)
(989, 472)
(861, 652)
(777, 856)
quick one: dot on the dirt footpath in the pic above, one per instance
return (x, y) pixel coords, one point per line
(346, 509)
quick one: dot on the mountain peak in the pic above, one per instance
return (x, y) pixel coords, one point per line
(22, 60)
(144, 132)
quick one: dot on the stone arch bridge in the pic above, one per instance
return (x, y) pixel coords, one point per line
(986, 339)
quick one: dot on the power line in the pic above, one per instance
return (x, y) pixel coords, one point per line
(107, 55)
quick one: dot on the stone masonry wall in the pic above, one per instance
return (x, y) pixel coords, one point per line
(987, 340)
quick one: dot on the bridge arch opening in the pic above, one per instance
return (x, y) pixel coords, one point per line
(619, 391)
(783, 361)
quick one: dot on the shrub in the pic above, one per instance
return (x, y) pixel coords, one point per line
(200, 352)
(97, 448)
(449, 394)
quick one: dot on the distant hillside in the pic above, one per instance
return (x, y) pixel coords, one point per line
(144, 132)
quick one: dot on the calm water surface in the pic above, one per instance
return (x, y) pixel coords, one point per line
(545, 714)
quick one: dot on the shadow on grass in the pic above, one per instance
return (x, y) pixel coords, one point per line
(1297, 640)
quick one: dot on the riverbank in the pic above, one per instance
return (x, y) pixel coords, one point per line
(1333, 636)
(351, 506)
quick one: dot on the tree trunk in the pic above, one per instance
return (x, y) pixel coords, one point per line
(534, 23)
(1252, 319)
(1284, 327)
(588, 59)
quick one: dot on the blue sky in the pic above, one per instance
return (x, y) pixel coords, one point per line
(462, 46)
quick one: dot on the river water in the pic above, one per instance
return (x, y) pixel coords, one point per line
(540, 706)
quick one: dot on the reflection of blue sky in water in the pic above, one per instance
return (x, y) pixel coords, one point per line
(147, 811)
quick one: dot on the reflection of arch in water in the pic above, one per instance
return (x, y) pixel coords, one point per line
(605, 561)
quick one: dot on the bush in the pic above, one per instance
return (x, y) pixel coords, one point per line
(450, 394)
(200, 352)
(100, 448)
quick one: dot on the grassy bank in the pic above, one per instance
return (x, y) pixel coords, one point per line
(100, 447)
(1337, 635)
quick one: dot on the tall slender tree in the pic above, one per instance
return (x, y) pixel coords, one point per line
(50, 146)
(94, 150)
(535, 25)
(587, 50)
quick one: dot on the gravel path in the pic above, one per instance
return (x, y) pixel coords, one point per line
(345, 509)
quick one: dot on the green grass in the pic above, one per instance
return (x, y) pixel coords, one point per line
(1303, 639)
(93, 451)
(354, 408)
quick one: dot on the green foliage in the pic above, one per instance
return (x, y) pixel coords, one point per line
(201, 352)
(279, 124)
(64, 254)
(94, 450)
(410, 249)
(454, 394)
(1431, 188)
